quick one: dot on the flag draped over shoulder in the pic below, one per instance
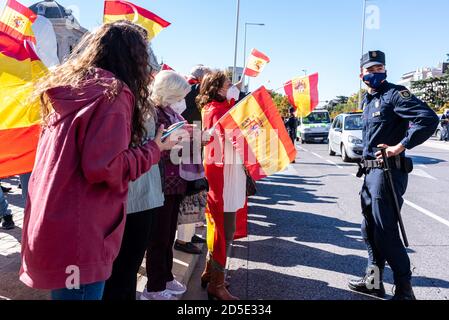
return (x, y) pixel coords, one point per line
(115, 10)
(19, 117)
(16, 21)
(259, 134)
(256, 63)
(302, 94)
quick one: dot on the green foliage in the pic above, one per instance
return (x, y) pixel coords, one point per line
(342, 104)
(434, 91)
(281, 103)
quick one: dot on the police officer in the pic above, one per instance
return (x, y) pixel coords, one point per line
(388, 110)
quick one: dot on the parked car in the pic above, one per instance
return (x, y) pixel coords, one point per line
(345, 136)
(439, 130)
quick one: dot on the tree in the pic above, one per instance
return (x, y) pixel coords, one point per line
(434, 91)
(281, 103)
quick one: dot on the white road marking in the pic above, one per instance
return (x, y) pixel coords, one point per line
(436, 145)
(317, 155)
(427, 213)
(423, 174)
(331, 162)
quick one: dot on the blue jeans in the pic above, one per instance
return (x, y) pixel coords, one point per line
(24, 181)
(4, 211)
(90, 292)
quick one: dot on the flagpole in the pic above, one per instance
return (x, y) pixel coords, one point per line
(234, 71)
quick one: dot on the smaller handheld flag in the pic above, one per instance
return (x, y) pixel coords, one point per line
(256, 63)
(166, 67)
(17, 20)
(115, 10)
(302, 94)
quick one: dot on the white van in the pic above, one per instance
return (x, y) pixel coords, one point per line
(315, 127)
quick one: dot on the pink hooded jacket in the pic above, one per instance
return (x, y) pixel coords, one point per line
(75, 216)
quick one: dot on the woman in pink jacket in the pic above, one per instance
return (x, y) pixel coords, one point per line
(94, 108)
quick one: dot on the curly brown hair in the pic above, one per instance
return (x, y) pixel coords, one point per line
(210, 87)
(120, 48)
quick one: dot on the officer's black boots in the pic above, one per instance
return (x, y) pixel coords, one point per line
(367, 284)
(404, 292)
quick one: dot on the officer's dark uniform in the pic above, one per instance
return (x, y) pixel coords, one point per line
(387, 115)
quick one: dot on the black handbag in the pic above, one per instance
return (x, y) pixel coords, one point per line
(251, 188)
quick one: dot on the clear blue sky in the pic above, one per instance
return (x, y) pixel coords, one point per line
(319, 36)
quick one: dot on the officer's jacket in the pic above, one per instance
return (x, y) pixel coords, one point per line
(393, 115)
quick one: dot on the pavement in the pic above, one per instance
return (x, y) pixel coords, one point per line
(304, 238)
(10, 243)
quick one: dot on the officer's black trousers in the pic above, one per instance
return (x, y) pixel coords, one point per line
(380, 227)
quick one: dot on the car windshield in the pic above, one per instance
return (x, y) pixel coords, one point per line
(317, 117)
(354, 123)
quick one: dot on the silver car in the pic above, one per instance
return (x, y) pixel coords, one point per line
(345, 136)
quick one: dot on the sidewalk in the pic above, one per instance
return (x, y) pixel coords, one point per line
(12, 289)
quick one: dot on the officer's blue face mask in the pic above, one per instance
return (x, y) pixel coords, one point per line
(375, 80)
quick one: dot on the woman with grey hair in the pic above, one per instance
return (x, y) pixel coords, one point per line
(169, 89)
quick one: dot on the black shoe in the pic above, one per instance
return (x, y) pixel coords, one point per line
(365, 285)
(404, 292)
(196, 239)
(6, 190)
(8, 223)
(187, 248)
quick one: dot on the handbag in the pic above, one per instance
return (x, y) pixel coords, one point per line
(251, 188)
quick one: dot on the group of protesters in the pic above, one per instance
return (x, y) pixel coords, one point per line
(105, 190)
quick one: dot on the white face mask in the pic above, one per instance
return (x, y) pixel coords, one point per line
(233, 93)
(179, 107)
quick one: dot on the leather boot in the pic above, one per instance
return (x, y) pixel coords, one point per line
(366, 284)
(205, 277)
(216, 289)
(404, 292)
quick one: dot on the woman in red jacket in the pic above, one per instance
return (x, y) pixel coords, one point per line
(227, 182)
(94, 107)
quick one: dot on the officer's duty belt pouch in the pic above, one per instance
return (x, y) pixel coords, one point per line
(407, 165)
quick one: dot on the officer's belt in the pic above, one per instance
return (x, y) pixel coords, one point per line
(395, 163)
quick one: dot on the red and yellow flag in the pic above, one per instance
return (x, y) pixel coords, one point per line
(259, 135)
(256, 63)
(19, 118)
(115, 10)
(303, 95)
(16, 21)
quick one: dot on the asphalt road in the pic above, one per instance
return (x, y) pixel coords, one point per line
(304, 231)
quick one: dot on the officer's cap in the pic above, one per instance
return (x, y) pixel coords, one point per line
(372, 58)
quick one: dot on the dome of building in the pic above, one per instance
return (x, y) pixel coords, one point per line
(51, 10)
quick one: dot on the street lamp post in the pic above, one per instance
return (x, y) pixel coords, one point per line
(244, 47)
(305, 72)
(234, 73)
(363, 46)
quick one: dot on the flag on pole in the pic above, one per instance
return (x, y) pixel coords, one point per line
(16, 21)
(302, 94)
(19, 117)
(259, 134)
(256, 63)
(115, 10)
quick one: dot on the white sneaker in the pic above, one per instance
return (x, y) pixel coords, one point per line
(161, 295)
(175, 287)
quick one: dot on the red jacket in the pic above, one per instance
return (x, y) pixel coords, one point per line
(75, 215)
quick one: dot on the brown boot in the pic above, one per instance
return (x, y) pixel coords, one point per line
(205, 277)
(216, 289)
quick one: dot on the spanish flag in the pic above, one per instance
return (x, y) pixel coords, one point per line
(259, 135)
(16, 21)
(303, 95)
(256, 63)
(19, 118)
(115, 10)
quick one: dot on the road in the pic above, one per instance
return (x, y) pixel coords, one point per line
(304, 238)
